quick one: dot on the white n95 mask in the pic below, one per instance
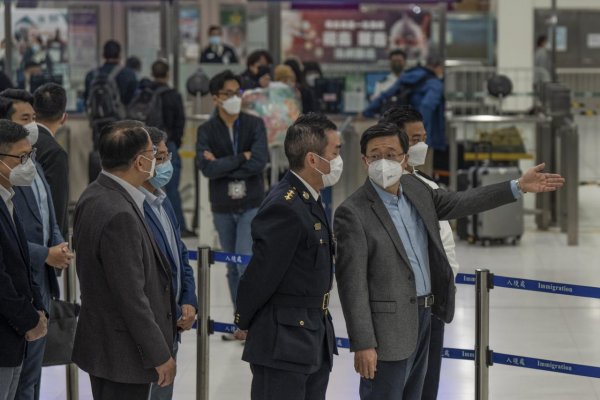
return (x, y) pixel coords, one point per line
(233, 105)
(22, 174)
(385, 173)
(417, 154)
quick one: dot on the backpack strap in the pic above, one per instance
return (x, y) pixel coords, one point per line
(114, 73)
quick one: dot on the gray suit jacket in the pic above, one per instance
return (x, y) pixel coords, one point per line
(375, 281)
(127, 322)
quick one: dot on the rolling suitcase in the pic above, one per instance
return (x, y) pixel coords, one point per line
(462, 183)
(502, 224)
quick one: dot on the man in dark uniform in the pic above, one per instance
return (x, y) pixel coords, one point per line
(283, 296)
(217, 52)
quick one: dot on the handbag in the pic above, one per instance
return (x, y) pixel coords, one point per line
(61, 333)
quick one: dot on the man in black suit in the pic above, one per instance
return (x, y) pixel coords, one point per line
(47, 248)
(126, 328)
(22, 315)
(50, 103)
(283, 296)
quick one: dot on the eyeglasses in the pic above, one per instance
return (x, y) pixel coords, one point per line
(23, 158)
(230, 93)
(154, 150)
(388, 156)
(164, 157)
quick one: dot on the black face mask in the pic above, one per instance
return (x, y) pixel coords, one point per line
(396, 67)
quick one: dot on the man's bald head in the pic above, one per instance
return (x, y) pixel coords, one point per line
(120, 143)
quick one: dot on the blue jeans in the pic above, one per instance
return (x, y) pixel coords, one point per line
(401, 380)
(172, 188)
(235, 237)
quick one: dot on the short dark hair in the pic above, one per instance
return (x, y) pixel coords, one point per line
(296, 67)
(120, 142)
(160, 69)
(12, 96)
(6, 108)
(312, 66)
(541, 40)
(256, 55)
(434, 60)
(400, 116)
(18, 95)
(157, 135)
(383, 129)
(134, 63)
(213, 28)
(49, 102)
(397, 52)
(112, 50)
(217, 82)
(10, 133)
(306, 135)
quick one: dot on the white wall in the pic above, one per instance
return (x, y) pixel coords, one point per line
(515, 44)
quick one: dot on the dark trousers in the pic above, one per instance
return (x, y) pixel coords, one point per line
(275, 384)
(103, 389)
(401, 380)
(172, 188)
(434, 364)
(31, 371)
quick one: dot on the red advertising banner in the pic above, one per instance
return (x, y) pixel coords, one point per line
(342, 36)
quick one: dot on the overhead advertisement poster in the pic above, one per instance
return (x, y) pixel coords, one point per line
(342, 36)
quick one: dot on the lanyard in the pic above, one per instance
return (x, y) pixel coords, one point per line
(236, 129)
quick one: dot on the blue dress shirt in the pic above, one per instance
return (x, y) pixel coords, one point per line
(41, 198)
(413, 235)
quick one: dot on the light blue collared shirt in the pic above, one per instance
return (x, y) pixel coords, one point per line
(41, 198)
(413, 235)
(135, 193)
(156, 203)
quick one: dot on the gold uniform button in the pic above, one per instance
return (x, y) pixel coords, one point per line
(301, 323)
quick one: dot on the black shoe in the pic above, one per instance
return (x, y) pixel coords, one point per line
(188, 234)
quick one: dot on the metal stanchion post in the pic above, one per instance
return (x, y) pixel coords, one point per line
(204, 328)
(571, 166)
(483, 354)
(70, 280)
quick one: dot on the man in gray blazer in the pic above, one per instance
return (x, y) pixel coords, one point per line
(126, 327)
(392, 272)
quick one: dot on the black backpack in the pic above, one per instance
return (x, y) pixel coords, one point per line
(147, 106)
(402, 97)
(104, 98)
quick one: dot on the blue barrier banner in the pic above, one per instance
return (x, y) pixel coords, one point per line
(469, 355)
(547, 287)
(458, 354)
(465, 279)
(546, 365)
(231, 258)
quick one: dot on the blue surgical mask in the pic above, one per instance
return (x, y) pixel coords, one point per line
(214, 40)
(164, 172)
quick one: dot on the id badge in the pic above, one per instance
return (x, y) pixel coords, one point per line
(237, 190)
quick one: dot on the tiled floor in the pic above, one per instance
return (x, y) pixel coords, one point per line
(523, 323)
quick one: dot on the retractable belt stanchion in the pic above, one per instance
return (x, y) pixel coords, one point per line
(204, 323)
(483, 354)
(70, 280)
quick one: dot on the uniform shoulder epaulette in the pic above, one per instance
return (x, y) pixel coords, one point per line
(290, 194)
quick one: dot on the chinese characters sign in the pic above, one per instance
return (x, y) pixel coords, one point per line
(354, 36)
